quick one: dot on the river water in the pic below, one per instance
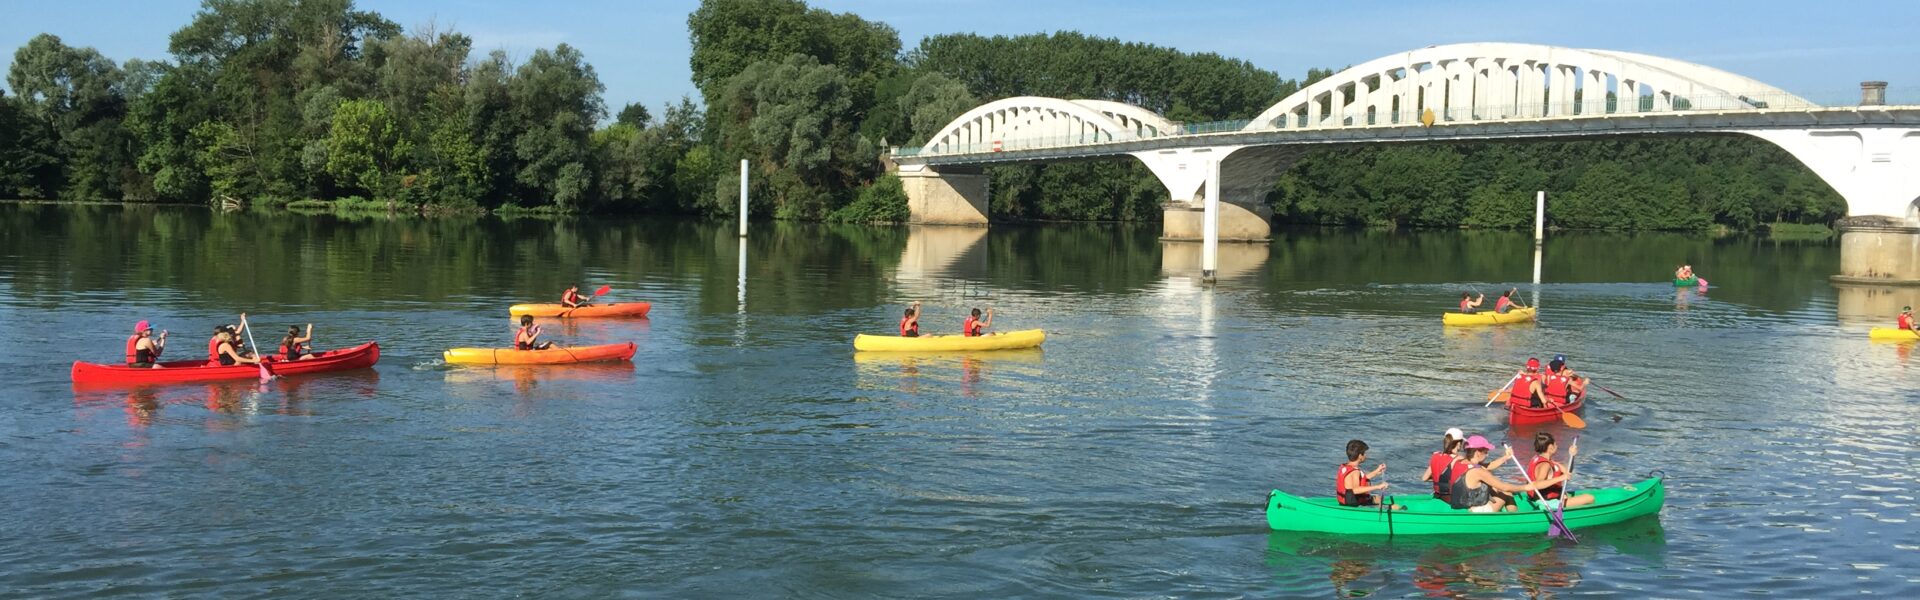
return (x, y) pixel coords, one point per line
(749, 452)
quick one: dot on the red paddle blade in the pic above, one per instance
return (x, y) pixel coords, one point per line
(603, 290)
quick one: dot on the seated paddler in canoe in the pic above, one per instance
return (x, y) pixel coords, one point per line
(527, 337)
(144, 348)
(1544, 468)
(1353, 487)
(224, 348)
(1473, 487)
(974, 326)
(1470, 302)
(295, 346)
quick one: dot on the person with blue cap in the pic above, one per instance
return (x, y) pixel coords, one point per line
(1562, 386)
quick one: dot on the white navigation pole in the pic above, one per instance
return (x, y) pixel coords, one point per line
(1210, 224)
(1539, 238)
(743, 198)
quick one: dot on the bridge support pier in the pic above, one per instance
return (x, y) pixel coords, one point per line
(1879, 251)
(1877, 170)
(945, 197)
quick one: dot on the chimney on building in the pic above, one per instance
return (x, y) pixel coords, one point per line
(1873, 93)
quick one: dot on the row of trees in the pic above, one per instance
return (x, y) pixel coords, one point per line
(279, 100)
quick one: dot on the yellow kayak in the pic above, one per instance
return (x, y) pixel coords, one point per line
(1891, 334)
(1518, 315)
(1029, 338)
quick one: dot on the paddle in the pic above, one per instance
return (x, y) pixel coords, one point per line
(265, 373)
(1604, 389)
(1555, 524)
(1572, 420)
(596, 294)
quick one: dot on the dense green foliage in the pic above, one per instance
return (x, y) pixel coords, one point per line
(278, 100)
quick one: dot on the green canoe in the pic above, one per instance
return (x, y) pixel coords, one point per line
(1688, 282)
(1427, 516)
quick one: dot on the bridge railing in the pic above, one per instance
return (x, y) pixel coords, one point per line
(1375, 117)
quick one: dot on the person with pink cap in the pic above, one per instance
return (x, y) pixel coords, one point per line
(1477, 489)
(144, 348)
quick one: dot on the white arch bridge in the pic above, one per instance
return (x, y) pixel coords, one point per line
(1218, 174)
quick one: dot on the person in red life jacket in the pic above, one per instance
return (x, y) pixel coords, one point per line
(572, 298)
(1543, 468)
(1906, 318)
(1561, 385)
(975, 326)
(1354, 488)
(910, 321)
(143, 348)
(225, 352)
(528, 336)
(293, 346)
(1469, 303)
(1506, 301)
(1477, 489)
(1437, 463)
(1527, 386)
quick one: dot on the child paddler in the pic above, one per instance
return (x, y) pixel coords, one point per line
(1543, 467)
(1353, 487)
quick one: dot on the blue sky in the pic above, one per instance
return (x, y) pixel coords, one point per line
(1822, 50)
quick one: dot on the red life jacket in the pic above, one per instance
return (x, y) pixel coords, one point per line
(1502, 305)
(292, 351)
(1346, 496)
(970, 328)
(1453, 473)
(529, 333)
(1556, 388)
(1466, 306)
(1906, 321)
(570, 297)
(132, 342)
(905, 329)
(1522, 390)
(1437, 464)
(1549, 493)
(213, 349)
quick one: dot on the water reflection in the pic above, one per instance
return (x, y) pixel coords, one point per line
(1236, 259)
(970, 371)
(285, 396)
(1455, 566)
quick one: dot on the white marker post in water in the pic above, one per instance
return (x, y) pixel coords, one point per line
(743, 197)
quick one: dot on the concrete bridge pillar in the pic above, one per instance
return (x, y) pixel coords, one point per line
(1877, 170)
(948, 197)
(1246, 175)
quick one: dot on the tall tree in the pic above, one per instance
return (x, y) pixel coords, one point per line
(795, 120)
(79, 94)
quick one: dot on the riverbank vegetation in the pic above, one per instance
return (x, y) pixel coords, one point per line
(315, 103)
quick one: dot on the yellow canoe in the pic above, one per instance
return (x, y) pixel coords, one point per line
(1518, 315)
(557, 355)
(1029, 338)
(1892, 334)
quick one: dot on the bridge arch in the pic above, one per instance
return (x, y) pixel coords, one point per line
(1496, 81)
(1033, 120)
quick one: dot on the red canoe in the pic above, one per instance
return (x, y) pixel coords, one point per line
(1518, 413)
(187, 371)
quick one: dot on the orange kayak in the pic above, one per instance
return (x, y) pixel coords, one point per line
(620, 309)
(557, 355)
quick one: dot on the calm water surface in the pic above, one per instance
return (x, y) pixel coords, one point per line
(748, 452)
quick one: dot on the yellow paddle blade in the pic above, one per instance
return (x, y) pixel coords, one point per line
(1573, 420)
